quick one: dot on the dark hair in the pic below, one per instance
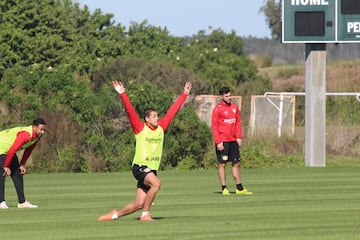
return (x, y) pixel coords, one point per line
(224, 90)
(39, 121)
(148, 111)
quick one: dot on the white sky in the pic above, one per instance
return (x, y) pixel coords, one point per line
(186, 17)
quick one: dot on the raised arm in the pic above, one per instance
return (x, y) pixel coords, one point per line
(165, 121)
(134, 119)
(118, 86)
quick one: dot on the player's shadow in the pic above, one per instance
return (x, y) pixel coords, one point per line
(231, 193)
(155, 218)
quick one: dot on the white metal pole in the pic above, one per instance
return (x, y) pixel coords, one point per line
(281, 106)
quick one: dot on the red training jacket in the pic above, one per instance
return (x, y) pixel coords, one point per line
(226, 123)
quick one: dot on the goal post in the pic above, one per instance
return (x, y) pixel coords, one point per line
(272, 115)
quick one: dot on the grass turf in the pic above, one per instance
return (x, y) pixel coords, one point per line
(298, 203)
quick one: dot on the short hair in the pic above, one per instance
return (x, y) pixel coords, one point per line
(39, 121)
(148, 111)
(224, 90)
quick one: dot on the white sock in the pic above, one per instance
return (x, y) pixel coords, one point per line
(114, 216)
(145, 214)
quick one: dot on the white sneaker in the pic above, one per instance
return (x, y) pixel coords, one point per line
(3, 205)
(26, 204)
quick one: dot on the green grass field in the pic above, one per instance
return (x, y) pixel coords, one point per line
(297, 203)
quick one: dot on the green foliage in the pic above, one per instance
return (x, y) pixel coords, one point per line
(343, 110)
(262, 61)
(146, 95)
(53, 32)
(69, 160)
(272, 152)
(149, 41)
(25, 101)
(217, 57)
(187, 164)
(164, 76)
(186, 141)
(288, 72)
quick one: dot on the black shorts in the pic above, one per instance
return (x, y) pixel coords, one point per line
(140, 172)
(230, 153)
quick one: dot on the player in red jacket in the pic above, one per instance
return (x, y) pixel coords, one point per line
(227, 134)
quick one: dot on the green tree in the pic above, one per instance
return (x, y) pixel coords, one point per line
(179, 149)
(57, 32)
(272, 11)
(218, 58)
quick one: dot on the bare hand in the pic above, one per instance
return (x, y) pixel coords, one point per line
(7, 171)
(22, 169)
(239, 141)
(220, 146)
(187, 88)
(118, 86)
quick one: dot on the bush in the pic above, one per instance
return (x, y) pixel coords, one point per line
(272, 152)
(288, 72)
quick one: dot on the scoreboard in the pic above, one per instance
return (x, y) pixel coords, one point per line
(320, 21)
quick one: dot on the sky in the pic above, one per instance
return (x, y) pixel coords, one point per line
(187, 17)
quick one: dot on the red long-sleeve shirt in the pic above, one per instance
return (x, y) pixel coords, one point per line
(164, 122)
(22, 138)
(226, 123)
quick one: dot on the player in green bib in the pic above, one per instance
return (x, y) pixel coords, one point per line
(149, 137)
(11, 141)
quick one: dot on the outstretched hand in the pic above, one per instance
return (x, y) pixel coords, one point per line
(118, 86)
(187, 87)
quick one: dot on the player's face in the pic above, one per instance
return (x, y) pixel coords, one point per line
(226, 98)
(153, 119)
(39, 130)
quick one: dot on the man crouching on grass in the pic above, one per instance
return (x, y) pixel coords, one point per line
(149, 137)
